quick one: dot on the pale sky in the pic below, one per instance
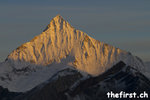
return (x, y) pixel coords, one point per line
(124, 24)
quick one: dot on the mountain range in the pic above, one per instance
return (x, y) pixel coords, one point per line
(63, 63)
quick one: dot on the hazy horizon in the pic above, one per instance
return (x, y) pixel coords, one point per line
(123, 24)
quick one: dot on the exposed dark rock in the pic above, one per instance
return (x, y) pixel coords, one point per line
(6, 95)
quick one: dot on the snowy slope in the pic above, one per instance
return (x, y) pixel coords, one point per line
(59, 46)
(69, 84)
(27, 78)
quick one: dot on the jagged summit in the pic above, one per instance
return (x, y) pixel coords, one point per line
(56, 22)
(58, 17)
(61, 40)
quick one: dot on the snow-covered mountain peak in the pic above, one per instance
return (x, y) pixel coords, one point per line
(60, 40)
(59, 46)
(53, 44)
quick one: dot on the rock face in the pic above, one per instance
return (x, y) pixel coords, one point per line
(58, 47)
(73, 86)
